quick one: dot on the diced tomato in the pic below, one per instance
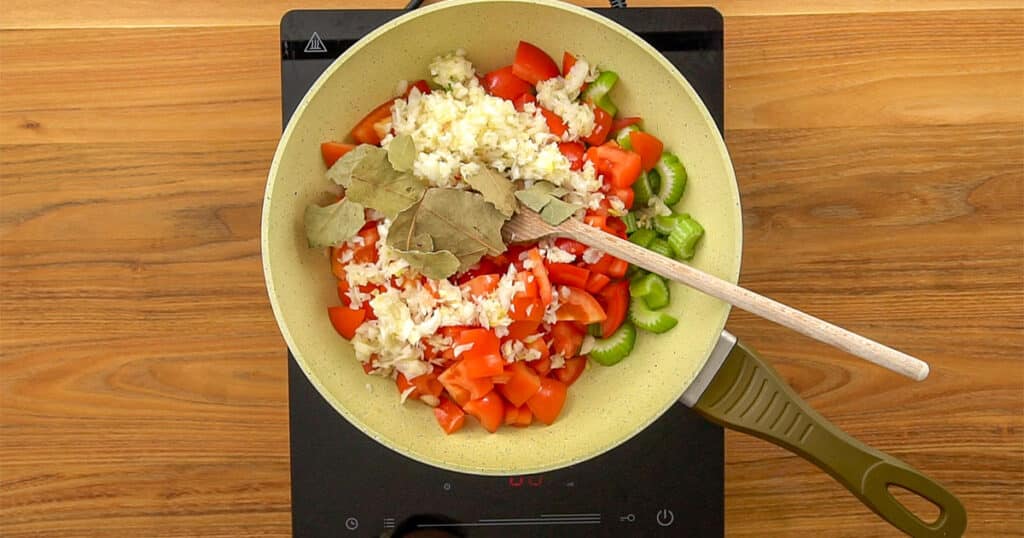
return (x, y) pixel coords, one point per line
(529, 284)
(617, 268)
(541, 276)
(602, 127)
(602, 265)
(611, 266)
(597, 282)
(505, 84)
(542, 365)
(489, 409)
(568, 60)
(337, 267)
(555, 123)
(578, 305)
(346, 320)
(570, 275)
(533, 64)
(622, 123)
(482, 285)
(456, 381)
(523, 383)
(626, 195)
(453, 331)
(566, 339)
(511, 414)
(485, 266)
(457, 393)
(483, 358)
(648, 147)
(615, 299)
(427, 384)
(526, 309)
(449, 416)
(515, 251)
(483, 366)
(620, 168)
(366, 132)
(520, 102)
(518, 416)
(599, 221)
(525, 417)
(519, 330)
(572, 370)
(541, 347)
(423, 385)
(616, 225)
(547, 403)
(571, 246)
(367, 253)
(573, 151)
(370, 365)
(332, 151)
(420, 85)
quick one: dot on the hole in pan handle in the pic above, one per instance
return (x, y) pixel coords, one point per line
(747, 395)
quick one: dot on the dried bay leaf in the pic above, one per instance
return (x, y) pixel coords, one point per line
(495, 188)
(544, 198)
(402, 153)
(368, 178)
(334, 224)
(457, 221)
(437, 265)
(557, 211)
(534, 198)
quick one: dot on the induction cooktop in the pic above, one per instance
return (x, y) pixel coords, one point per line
(666, 481)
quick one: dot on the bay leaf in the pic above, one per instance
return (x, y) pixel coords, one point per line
(537, 196)
(437, 265)
(458, 221)
(402, 153)
(543, 193)
(334, 224)
(557, 211)
(495, 188)
(369, 179)
(341, 171)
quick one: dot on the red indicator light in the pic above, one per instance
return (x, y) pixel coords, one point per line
(535, 481)
(515, 481)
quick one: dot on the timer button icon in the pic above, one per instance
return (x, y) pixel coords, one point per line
(351, 523)
(665, 517)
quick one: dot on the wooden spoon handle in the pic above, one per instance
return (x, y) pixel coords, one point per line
(760, 305)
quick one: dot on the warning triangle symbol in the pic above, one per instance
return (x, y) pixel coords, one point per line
(315, 44)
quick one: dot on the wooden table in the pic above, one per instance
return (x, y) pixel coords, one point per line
(880, 152)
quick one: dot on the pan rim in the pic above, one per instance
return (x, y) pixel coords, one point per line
(404, 449)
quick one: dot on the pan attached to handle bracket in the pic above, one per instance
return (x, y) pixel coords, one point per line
(739, 390)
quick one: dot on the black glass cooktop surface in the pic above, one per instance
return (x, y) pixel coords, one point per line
(667, 481)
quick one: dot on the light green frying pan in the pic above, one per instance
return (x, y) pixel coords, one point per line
(696, 362)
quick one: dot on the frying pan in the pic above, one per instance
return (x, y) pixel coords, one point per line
(697, 362)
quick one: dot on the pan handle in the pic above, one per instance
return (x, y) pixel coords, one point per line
(747, 395)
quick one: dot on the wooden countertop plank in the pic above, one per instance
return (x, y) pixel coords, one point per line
(140, 84)
(92, 13)
(881, 69)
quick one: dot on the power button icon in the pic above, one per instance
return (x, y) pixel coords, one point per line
(665, 517)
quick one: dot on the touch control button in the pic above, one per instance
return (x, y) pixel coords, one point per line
(351, 523)
(665, 517)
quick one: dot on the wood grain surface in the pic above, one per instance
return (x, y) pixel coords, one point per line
(879, 148)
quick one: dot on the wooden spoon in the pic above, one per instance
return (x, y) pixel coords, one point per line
(527, 225)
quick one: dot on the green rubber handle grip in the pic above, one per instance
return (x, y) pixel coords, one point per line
(747, 395)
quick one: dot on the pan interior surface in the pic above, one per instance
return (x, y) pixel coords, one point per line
(607, 405)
